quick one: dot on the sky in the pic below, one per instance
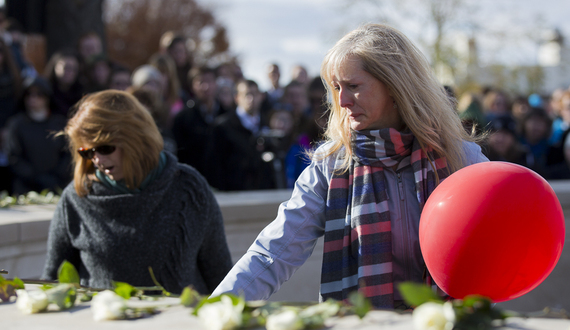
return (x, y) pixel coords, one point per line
(290, 32)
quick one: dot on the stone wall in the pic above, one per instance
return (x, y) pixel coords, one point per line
(23, 235)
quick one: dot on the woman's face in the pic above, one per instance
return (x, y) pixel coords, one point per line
(366, 99)
(111, 164)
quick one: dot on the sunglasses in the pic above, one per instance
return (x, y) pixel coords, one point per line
(90, 153)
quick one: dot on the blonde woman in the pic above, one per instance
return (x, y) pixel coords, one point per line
(132, 206)
(393, 135)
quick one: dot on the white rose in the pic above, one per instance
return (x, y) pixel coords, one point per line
(107, 305)
(31, 302)
(285, 320)
(449, 312)
(431, 316)
(222, 315)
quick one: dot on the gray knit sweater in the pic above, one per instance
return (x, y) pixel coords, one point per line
(174, 226)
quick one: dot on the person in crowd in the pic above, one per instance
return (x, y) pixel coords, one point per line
(299, 74)
(495, 103)
(229, 70)
(303, 138)
(236, 154)
(89, 45)
(503, 142)
(97, 71)
(37, 159)
(295, 98)
(290, 146)
(119, 78)
(534, 130)
(14, 38)
(317, 94)
(10, 84)
(152, 102)
(275, 92)
(561, 106)
(174, 45)
(225, 94)
(62, 73)
(390, 119)
(192, 126)
(172, 94)
(520, 108)
(149, 77)
(131, 197)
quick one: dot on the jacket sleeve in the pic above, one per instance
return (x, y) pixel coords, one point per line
(285, 244)
(473, 153)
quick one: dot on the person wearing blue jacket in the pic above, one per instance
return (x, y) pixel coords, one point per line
(393, 135)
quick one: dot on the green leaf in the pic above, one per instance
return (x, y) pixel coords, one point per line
(18, 283)
(67, 273)
(415, 294)
(361, 304)
(189, 297)
(125, 290)
(86, 296)
(63, 295)
(8, 288)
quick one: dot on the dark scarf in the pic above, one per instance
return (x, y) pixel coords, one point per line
(358, 238)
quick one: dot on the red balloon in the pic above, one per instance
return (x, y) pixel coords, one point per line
(494, 229)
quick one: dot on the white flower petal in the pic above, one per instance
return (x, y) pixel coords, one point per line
(31, 302)
(107, 305)
(430, 316)
(285, 320)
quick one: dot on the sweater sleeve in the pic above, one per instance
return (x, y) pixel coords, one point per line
(59, 247)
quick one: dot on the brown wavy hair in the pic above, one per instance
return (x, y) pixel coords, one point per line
(116, 118)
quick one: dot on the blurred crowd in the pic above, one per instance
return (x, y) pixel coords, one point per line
(529, 130)
(238, 136)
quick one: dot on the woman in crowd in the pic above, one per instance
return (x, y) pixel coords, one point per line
(172, 94)
(392, 136)
(132, 206)
(62, 73)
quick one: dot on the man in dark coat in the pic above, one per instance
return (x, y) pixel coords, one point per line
(237, 155)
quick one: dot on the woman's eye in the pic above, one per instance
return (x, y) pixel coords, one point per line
(352, 86)
(336, 88)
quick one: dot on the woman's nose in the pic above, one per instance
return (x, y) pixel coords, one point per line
(345, 99)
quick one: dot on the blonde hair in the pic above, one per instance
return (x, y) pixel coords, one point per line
(116, 118)
(421, 100)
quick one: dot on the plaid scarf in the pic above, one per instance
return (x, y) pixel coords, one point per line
(358, 238)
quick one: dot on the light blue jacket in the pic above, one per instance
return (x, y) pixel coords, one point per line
(287, 242)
